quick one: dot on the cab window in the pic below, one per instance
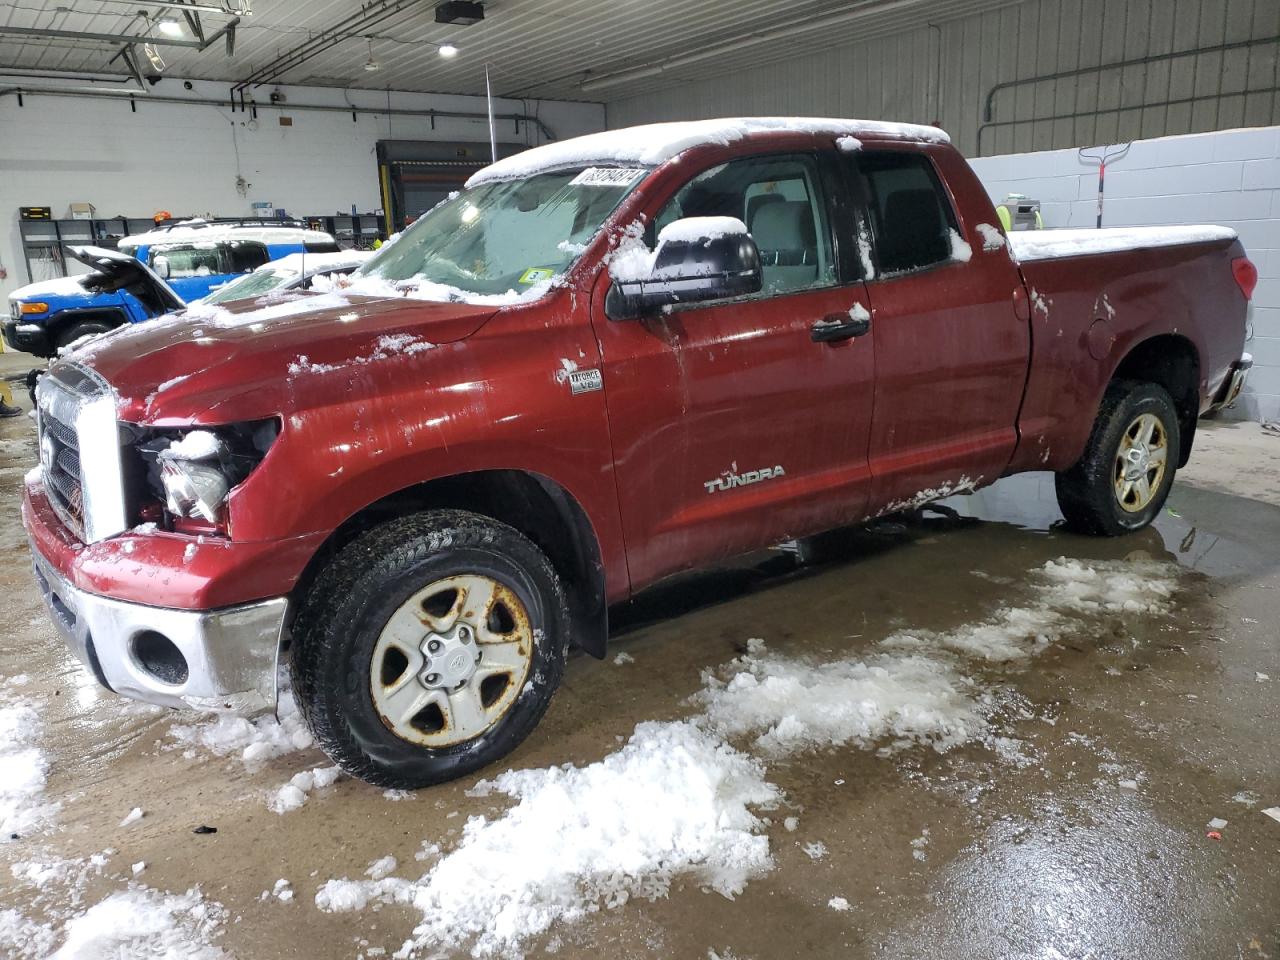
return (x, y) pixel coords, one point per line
(246, 255)
(186, 260)
(780, 200)
(910, 213)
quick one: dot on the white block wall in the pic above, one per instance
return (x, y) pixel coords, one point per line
(185, 157)
(1231, 177)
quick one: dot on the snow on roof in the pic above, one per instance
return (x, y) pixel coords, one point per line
(312, 262)
(1047, 244)
(197, 231)
(656, 143)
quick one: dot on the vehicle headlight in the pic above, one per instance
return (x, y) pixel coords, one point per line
(195, 486)
(194, 471)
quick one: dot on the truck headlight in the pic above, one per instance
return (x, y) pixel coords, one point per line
(195, 486)
(194, 471)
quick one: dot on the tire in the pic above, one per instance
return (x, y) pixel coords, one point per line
(391, 572)
(82, 329)
(1095, 495)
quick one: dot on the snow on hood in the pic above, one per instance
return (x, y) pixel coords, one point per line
(419, 288)
(656, 143)
(54, 287)
(252, 361)
(1047, 244)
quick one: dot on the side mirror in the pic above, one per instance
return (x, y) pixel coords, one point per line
(161, 266)
(697, 259)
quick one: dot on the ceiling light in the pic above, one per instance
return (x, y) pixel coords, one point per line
(157, 61)
(371, 64)
(448, 51)
(170, 28)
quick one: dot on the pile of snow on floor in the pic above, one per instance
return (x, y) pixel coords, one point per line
(1069, 589)
(294, 793)
(674, 801)
(789, 704)
(23, 768)
(256, 740)
(140, 922)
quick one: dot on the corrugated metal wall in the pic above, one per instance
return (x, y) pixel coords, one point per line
(946, 74)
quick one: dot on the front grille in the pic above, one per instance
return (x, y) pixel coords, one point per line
(76, 408)
(60, 458)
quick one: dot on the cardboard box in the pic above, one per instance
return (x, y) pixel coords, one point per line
(82, 211)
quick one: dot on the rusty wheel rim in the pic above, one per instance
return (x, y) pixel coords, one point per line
(1140, 462)
(451, 661)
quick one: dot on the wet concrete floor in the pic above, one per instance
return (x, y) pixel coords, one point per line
(1048, 857)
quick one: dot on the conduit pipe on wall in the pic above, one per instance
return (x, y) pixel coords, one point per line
(132, 95)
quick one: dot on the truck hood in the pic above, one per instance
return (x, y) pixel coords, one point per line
(257, 358)
(54, 287)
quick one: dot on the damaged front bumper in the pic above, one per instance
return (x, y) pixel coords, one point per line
(208, 659)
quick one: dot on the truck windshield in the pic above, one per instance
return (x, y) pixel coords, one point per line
(502, 237)
(262, 280)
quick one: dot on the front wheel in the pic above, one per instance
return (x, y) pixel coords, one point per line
(1126, 472)
(429, 647)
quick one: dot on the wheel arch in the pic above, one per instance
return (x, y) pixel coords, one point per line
(64, 320)
(534, 504)
(1173, 362)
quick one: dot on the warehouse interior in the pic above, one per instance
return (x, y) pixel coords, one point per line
(812, 747)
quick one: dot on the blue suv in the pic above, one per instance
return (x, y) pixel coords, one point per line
(193, 258)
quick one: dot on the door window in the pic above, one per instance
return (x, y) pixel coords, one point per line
(175, 261)
(246, 256)
(911, 215)
(781, 202)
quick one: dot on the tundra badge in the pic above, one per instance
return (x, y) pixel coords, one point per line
(585, 381)
(731, 478)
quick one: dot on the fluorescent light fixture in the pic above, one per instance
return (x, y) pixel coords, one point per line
(153, 55)
(448, 51)
(170, 28)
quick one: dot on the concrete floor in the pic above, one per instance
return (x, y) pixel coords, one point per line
(1047, 858)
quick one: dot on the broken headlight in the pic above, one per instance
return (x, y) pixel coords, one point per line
(192, 471)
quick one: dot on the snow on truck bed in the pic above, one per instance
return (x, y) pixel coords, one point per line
(656, 143)
(1047, 244)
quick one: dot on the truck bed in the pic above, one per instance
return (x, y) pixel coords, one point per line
(1098, 295)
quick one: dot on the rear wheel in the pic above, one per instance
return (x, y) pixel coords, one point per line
(1126, 472)
(429, 647)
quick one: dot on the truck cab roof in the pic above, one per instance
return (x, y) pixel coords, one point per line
(651, 144)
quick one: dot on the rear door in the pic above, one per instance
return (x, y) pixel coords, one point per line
(951, 351)
(732, 428)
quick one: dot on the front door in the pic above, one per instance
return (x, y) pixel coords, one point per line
(733, 428)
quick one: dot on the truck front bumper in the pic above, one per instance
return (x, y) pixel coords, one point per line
(207, 659)
(27, 337)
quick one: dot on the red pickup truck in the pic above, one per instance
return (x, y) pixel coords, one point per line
(607, 360)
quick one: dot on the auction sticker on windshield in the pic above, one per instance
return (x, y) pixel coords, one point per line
(534, 274)
(608, 176)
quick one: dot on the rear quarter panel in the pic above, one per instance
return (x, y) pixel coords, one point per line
(1089, 312)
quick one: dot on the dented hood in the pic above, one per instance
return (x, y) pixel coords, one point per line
(257, 358)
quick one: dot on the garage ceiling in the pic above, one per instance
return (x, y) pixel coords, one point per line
(568, 49)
